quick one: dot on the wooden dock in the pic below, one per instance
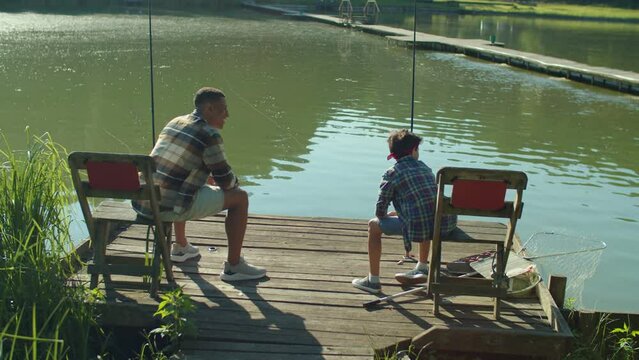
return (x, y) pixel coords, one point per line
(307, 307)
(618, 80)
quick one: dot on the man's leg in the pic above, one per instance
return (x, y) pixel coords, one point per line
(181, 250)
(374, 246)
(179, 227)
(236, 202)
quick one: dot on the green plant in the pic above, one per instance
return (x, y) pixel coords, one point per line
(397, 354)
(625, 342)
(43, 314)
(173, 308)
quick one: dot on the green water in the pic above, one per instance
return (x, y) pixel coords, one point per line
(311, 106)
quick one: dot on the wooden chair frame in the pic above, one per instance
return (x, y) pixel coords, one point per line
(100, 220)
(495, 287)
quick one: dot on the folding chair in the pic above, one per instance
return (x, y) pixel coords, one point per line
(475, 192)
(116, 176)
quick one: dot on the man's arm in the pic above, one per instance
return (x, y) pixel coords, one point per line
(223, 176)
(215, 160)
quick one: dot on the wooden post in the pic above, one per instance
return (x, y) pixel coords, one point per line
(557, 288)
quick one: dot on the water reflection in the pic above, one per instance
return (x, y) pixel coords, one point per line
(607, 44)
(311, 106)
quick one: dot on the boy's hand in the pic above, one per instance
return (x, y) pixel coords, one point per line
(210, 180)
(392, 213)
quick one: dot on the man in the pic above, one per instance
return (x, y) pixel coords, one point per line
(195, 181)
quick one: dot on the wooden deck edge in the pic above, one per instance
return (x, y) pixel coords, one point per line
(555, 318)
(496, 341)
(127, 315)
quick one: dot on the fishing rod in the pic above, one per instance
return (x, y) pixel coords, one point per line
(412, 98)
(151, 72)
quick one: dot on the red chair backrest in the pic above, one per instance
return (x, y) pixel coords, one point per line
(478, 194)
(105, 175)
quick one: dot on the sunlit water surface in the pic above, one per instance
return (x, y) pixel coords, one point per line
(311, 106)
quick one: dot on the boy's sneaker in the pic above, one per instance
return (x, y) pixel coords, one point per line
(181, 253)
(412, 277)
(367, 285)
(241, 271)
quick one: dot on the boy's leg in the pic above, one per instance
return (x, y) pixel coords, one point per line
(424, 250)
(419, 274)
(371, 283)
(374, 246)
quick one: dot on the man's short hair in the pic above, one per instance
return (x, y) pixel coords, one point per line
(206, 95)
(402, 142)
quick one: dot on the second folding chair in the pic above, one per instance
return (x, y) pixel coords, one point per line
(476, 192)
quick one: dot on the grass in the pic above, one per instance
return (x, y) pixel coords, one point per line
(558, 10)
(601, 336)
(42, 315)
(568, 11)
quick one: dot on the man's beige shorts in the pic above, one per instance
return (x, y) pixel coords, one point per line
(209, 200)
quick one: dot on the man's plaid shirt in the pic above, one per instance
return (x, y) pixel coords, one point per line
(187, 151)
(411, 186)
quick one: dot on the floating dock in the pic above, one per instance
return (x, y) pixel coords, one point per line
(307, 308)
(618, 80)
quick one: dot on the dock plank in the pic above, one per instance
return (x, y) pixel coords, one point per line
(306, 307)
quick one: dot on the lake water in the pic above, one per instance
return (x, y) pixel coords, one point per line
(609, 44)
(311, 106)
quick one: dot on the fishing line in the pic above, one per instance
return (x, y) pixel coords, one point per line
(273, 121)
(151, 72)
(118, 140)
(412, 98)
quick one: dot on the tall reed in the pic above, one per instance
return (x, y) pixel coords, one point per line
(42, 315)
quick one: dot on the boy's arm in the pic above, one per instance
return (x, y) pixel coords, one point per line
(384, 198)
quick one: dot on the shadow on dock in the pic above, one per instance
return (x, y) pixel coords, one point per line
(307, 308)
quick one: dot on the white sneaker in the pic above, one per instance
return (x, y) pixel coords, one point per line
(367, 285)
(241, 271)
(181, 253)
(412, 277)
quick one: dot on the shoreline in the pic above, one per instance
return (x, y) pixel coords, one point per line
(603, 77)
(301, 5)
(531, 15)
(458, 9)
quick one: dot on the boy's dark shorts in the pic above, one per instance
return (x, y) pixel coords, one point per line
(391, 225)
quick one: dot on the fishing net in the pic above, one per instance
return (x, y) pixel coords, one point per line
(576, 258)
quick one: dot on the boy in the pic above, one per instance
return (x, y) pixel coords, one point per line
(412, 188)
